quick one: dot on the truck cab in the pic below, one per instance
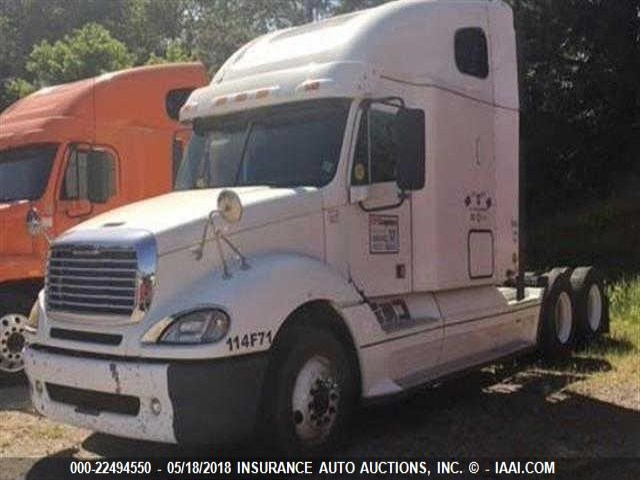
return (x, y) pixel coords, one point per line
(75, 151)
(344, 228)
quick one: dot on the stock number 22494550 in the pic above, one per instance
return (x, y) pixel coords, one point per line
(249, 340)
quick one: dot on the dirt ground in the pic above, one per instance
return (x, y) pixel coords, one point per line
(523, 408)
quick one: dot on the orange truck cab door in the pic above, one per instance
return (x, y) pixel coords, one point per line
(88, 185)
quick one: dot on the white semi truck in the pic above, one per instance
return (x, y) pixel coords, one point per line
(345, 227)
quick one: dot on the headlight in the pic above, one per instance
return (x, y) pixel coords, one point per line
(198, 326)
(34, 319)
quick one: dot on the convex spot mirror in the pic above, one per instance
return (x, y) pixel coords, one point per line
(230, 206)
(410, 149)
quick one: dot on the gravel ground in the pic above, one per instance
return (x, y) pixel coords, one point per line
(517, 409)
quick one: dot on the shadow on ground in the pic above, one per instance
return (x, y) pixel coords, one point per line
(507, 411)
(609, 345)
(14, 392)
(514, 409)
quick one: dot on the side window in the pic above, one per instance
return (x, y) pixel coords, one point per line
(90, 175)
(472, 57)
(174, 101)
(377, 133)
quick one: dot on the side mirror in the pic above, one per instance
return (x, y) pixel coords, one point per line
(79, 208)
(410, 149)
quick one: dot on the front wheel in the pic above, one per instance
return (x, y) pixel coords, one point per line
(311, 394)
(14, 310)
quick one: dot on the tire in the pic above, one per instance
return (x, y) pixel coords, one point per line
(310, 394)
(557, 319)
(591, 303)
(14, 311)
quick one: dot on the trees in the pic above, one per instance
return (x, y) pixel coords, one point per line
(86, 52)
(47, 41)
(134, 32)
(580, 98)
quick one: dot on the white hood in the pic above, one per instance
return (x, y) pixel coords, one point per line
(177, 218)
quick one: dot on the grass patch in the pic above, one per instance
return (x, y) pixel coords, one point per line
(620, 383)
(52, 432)
(624, 338)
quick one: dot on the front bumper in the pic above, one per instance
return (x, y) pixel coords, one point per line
(203, 402)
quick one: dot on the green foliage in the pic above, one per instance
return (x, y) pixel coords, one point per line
(174, 53)
(19, 87)
(625, 303)
(153, 27)
(88, 51)
(623, 342)
(580, 92)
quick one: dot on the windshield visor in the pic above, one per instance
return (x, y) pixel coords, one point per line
(24, 172)
(290, 145)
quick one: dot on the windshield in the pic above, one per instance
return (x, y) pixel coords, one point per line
(24, 171)
(290, 145)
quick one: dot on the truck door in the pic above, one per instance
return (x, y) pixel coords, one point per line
(380, 236)
(88, 186)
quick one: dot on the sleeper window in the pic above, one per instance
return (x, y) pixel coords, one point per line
(471, 52)
(174, 101)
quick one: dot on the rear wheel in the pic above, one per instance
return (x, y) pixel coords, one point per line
(14, 310)
(558, 325)
(591, 305)
(311, 393)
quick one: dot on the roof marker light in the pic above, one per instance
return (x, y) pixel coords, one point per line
(187, 107)
(219, 101)
(311, 85)
(262, 93)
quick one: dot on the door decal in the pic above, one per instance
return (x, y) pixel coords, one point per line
(384, 234)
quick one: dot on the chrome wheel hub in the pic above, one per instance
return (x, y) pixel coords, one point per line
(563, 317)
(594, 308)
(12, 327)
(315, 400)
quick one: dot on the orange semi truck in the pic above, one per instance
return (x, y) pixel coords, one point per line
(76, 150)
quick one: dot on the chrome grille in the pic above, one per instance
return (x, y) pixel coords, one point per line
(92, 280)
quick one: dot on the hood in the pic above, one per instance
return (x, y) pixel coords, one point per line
(177, 219)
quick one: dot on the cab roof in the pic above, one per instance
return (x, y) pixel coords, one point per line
(133, 96)
(407, 40)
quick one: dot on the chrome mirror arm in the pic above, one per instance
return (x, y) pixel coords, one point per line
(219, 238)
(199, 250)
(244, 265)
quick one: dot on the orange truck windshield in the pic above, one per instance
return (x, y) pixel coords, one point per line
(24, 172)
